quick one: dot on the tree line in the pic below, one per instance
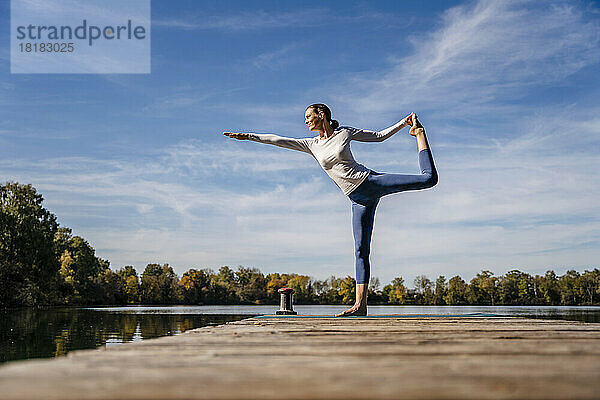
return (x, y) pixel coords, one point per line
(42, 263)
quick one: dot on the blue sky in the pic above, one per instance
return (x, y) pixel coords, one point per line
(508, 92)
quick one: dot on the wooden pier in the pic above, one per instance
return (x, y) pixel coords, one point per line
(331, 358)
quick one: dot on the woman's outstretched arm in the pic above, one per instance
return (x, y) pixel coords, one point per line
(362, 135)
(286, 142)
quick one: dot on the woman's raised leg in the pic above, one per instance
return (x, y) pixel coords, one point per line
(383, 184)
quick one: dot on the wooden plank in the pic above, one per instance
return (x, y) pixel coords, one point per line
(337, 358)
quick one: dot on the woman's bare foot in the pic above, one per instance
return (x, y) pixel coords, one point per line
(354, 311)
(416, 126)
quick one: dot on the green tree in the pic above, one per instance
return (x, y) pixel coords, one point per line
(423, 289)
(474, 293)
(590, 282)
(537, 282)
(159, 285)
(130, 284)
(251, 285)
(375, 295)
(226, 276)
(549, 288)
(482, 288)
(80, 269)
(223, 287)
(457, 291)
(28, 265)
(489, 286)
(195, 286)
(508, 287)
(347, 290)
(67, 273)
(132, 289)
(525, 289)
(303, 290)
(440, 290)
(570, 288)
(275, 282)
(112, 287)
(396, 292)
(328, 291)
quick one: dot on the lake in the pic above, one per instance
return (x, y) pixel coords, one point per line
(53, 332)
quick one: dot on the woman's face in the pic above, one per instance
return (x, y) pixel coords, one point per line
(313, 120)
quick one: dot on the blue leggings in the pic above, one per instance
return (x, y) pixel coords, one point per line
(366, 197)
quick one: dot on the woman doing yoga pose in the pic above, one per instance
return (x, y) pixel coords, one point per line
(363, 186)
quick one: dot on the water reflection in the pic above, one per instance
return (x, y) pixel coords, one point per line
(581, 315)
(39, 333)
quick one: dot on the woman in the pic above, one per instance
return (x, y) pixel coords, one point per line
(363, 186)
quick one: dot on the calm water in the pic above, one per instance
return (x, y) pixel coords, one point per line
(35, 333)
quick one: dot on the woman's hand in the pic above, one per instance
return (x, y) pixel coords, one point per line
(237, 135)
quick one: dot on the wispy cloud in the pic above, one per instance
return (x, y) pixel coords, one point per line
(245, 20)
(275, 59)
(42, 134)
(258, 20)
(65, 9)
(164, 106)
(194, 157)
(483, 53)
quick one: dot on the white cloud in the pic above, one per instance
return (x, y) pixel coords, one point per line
(195, 157)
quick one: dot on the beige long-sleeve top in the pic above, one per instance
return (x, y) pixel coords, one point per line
(333, 153)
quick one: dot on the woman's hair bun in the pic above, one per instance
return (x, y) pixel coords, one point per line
(323, 108)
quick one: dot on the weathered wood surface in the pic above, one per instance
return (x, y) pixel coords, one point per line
(356, 358)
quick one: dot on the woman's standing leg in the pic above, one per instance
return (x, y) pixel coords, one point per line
(363, 218)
